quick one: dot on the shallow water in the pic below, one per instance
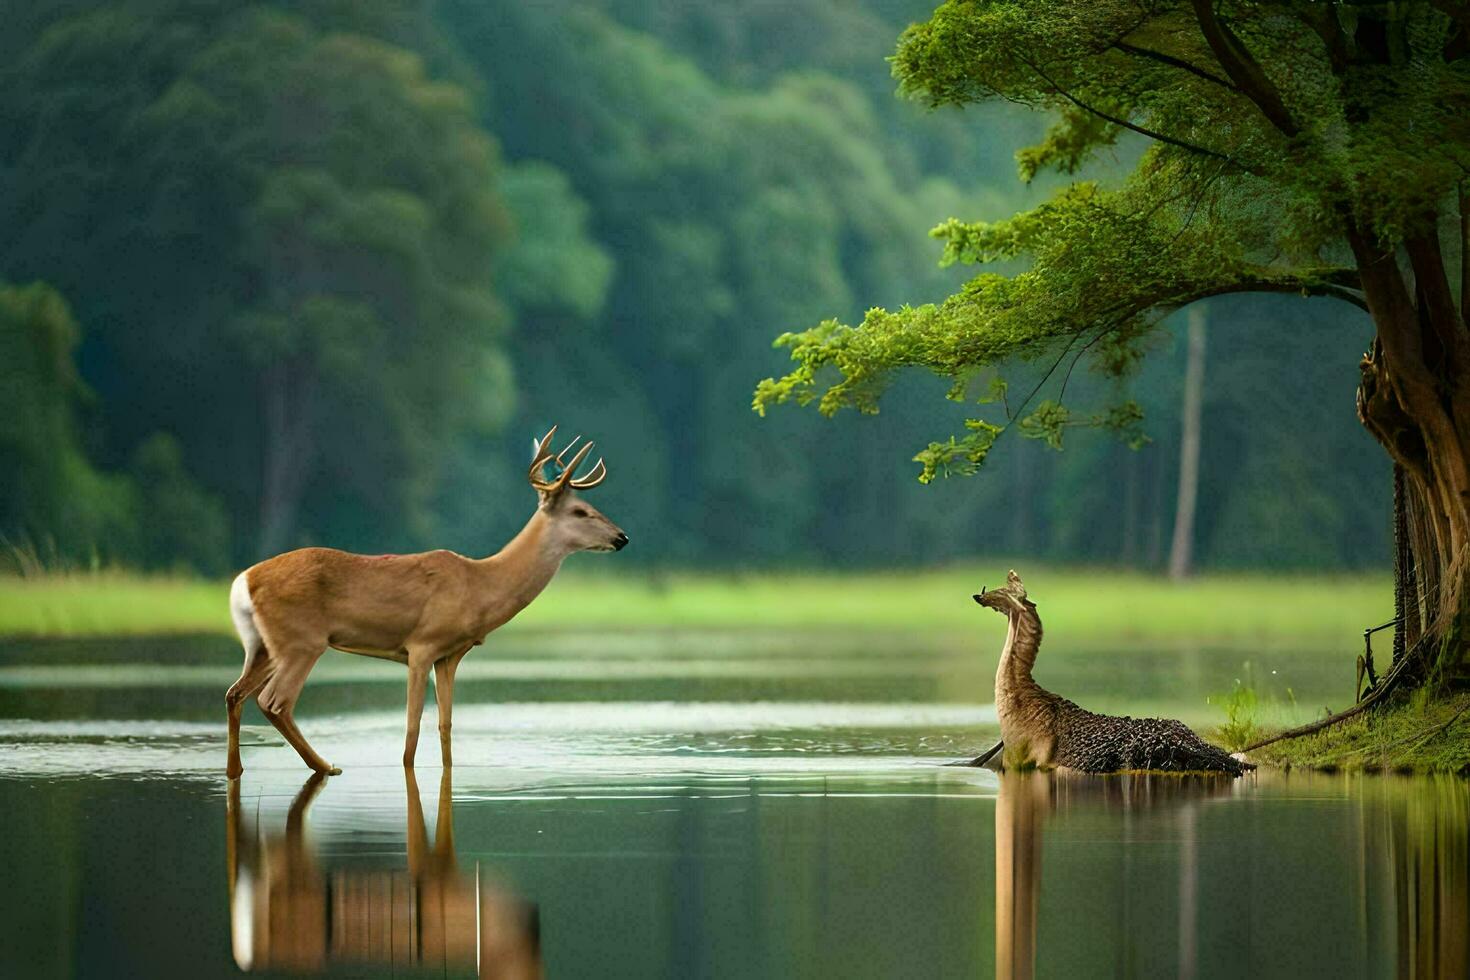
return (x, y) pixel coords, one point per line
(689, 805)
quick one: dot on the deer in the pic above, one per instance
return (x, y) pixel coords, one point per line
(422, 610)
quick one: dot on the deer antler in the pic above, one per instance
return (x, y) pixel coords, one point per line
(565, 479)
(592, 479)
(539, 458)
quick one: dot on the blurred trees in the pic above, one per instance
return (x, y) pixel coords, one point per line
(280, 234)
(50, 489)
(349, 257)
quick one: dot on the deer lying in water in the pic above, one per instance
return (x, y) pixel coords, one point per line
(425, 610)
(1041, 729)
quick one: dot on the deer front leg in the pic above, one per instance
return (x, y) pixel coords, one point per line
(418, 679)
(444, 698)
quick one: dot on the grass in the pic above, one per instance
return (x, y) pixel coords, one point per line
(1240, 706)
(1086, 605)
(1419, 734)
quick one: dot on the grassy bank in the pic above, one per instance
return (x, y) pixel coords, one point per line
(1082, 604)
(1419, 734)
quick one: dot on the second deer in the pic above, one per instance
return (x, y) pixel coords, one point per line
(425, 611)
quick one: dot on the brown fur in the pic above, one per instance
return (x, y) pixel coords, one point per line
(424, 610)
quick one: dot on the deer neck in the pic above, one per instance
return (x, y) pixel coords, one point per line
(1023, 639)
(517, 573)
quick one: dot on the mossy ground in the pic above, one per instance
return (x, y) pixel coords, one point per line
(1418, 733)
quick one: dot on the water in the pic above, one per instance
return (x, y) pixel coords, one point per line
(688, 805)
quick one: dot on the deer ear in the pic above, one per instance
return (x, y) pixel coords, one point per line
(1014, 581)
(535, 447)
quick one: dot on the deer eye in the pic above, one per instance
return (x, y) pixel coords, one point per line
(579, 512)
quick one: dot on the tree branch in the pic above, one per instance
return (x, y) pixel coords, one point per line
(1264, 285)
(1118, 121)
(1169, 59)
(1427, 261)
(1243, 69)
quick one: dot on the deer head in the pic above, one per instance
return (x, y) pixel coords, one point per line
(1009, 598)
(575, 524)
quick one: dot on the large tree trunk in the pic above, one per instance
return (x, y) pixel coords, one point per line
(1414, 397)
(1181, 548)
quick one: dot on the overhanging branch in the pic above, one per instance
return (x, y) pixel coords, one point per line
(1119, 121)
(1168, 59)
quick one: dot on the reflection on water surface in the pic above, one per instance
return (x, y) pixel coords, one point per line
(1408, 890)
(667, 828)
(289, 911)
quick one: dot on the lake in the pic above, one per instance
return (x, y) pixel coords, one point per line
(696, 804)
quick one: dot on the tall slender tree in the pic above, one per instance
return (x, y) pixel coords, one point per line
(1181, 546)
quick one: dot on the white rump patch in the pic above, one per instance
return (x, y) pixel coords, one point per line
(242, 611)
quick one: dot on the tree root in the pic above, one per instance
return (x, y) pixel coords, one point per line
(1390, 680)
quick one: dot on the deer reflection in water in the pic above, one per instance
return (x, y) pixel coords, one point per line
(1026, 798)
(288, 912)
(1413, 862)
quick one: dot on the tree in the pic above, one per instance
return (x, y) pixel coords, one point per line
(1314, 149)
(282, 228)
(56, 506)
(52, 498)
(1181, 550)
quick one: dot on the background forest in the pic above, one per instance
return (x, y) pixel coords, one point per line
(315, 272)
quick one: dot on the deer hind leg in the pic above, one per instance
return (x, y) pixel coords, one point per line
(255, 675)
(277, 702)
(257, 670)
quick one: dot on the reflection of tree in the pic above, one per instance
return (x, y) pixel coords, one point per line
(1421, 830)
(287, 912)
(1020, 816)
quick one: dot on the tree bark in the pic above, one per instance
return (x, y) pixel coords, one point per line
(1181, 548)
(1414, 397)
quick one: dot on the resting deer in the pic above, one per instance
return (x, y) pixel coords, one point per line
(426, 610)
(1041, 729)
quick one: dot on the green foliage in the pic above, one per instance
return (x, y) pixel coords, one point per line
(321, 214)
(1236, 192)
(52, 495)
(553, 265)
(179, 525)
(57, 507)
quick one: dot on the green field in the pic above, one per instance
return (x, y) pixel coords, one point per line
(1083, 604)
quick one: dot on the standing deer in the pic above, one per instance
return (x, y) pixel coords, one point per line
(425, 610)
